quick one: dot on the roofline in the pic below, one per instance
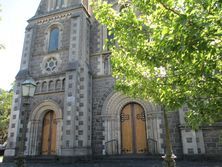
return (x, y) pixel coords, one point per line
(74, 7)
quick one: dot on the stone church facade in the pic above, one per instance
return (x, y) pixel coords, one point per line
(75, 110)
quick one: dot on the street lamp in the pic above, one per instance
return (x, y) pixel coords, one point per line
(28, 88)
(28, 91)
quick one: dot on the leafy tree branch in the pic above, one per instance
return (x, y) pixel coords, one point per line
(5, 108)
(182, 38)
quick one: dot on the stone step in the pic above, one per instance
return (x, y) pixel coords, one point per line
(132, 163)
(111, 161)
(90, 159)
(129, 157)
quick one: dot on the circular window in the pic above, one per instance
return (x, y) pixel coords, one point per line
(51, 64)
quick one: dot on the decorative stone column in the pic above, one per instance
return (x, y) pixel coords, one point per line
(13, 130)
(33, 137)
(77, 107)
(155, 132)
(192, 141)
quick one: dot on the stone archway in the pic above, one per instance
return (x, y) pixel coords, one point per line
(111, 111)
(34, 145)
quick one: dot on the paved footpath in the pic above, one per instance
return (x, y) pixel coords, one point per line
(130, 163)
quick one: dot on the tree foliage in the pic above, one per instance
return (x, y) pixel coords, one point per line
(169, 52)
(5, 108)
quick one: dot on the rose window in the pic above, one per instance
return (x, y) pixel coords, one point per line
(51, 64)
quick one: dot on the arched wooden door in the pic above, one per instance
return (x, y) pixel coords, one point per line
(133, 130)
(49, 134)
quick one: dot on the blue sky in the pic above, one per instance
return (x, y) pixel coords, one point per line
(14, 16)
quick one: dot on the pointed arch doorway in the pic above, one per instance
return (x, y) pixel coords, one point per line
(133, 130)
(49, 134)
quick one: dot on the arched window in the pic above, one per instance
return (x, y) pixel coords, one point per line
(58, 84)
(44, 86)
(51, 85)
(38, 87)
(54, 40)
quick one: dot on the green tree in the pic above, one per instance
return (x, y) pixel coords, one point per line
(5, 108)
(169, 52)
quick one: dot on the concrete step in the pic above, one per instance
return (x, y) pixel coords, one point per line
(151, 163)
(91, 159)
(110, 161)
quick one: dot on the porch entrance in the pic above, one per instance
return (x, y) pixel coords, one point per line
(49, 134)
(133, 130)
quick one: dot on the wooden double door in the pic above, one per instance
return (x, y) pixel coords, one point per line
(133, 130)
(49, 134)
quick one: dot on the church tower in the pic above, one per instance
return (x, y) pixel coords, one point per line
(56, 57)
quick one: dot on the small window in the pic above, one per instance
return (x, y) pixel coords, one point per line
(38, 87)
(54, 40)
(44, 86)
(58, 84)
(51, 86)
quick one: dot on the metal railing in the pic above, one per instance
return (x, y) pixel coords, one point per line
(111, 147)
(152, 143)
